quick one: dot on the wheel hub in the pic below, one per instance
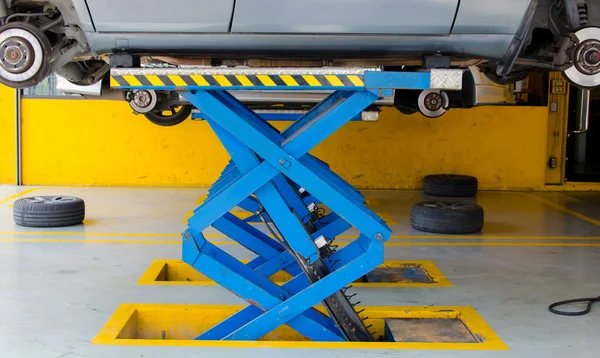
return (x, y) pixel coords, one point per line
(434, 102)
(16, 55)
(23, 52)
(142, 99)
(587, 57)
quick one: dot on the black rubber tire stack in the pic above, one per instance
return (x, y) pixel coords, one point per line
(450, 185)
(443, 217)
(49, 211)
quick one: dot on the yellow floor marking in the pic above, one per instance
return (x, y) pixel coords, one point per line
(387, 218)
(372, 202)
(388, 244)
(565, 210)
(487, 237)
(178, 273)
(96, 234)
(182, 323)
(531, 244)
(243, 215)
(187, 217)
(340, 237)
(95, 241)
(201, 199)
(18, 195)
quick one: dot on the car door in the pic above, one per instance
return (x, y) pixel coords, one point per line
(409, 17)
(160, 16)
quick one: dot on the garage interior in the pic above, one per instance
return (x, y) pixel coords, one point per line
(116, 286)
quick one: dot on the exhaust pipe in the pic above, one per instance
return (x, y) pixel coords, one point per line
(583, 111)
(108, 94)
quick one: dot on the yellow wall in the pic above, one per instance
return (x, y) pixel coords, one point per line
(8, 136)
(101, 143)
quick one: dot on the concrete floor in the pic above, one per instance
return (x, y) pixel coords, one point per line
(59, 287)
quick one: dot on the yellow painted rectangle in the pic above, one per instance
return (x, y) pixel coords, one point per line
(387, 217)
(201, 199)
(372, 202)
(178, 325)
(187, 217)
(179, 273)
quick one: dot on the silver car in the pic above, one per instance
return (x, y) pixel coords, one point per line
(505, 39)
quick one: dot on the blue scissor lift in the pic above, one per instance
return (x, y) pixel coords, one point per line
(273, 176)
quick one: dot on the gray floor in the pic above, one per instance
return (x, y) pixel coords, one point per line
(59, 287)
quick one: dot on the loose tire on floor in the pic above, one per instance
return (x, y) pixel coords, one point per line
(49, 211)
(443, 217)
(450, 185)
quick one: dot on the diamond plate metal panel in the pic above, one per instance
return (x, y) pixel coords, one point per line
(446, 79)
(238, 71)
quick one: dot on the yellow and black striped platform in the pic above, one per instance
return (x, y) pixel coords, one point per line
(189, 79)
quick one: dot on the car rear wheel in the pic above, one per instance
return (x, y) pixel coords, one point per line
(24, 51)
(169, 117)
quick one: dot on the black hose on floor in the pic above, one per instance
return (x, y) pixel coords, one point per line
(590, 303)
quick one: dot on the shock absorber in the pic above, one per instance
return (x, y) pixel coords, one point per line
(3, 12)
(582, 9)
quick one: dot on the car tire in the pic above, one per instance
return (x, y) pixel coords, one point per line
(174, 119)
(444, 217)
(49, 211)
(450, 185)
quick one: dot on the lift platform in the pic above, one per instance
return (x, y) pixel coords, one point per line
(302, 203)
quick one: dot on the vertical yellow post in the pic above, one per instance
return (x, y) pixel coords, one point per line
(558, 117)
(8, 130)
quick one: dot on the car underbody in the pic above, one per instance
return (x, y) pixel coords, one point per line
(554, 35)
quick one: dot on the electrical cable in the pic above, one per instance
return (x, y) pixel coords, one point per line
(590, 303)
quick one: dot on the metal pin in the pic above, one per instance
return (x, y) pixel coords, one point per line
(350, 296)
(356, 304)
(361, 311)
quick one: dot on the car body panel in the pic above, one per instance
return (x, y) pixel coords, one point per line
(157, 16)
(490, 16)
(431, 17)
(85, 20)
(303, 46)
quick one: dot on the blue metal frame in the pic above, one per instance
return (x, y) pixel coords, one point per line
(273, 176)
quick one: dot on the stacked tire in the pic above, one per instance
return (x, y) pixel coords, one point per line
(448, 215)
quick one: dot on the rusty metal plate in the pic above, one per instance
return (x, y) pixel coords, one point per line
(406, 274)
(428, 330)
